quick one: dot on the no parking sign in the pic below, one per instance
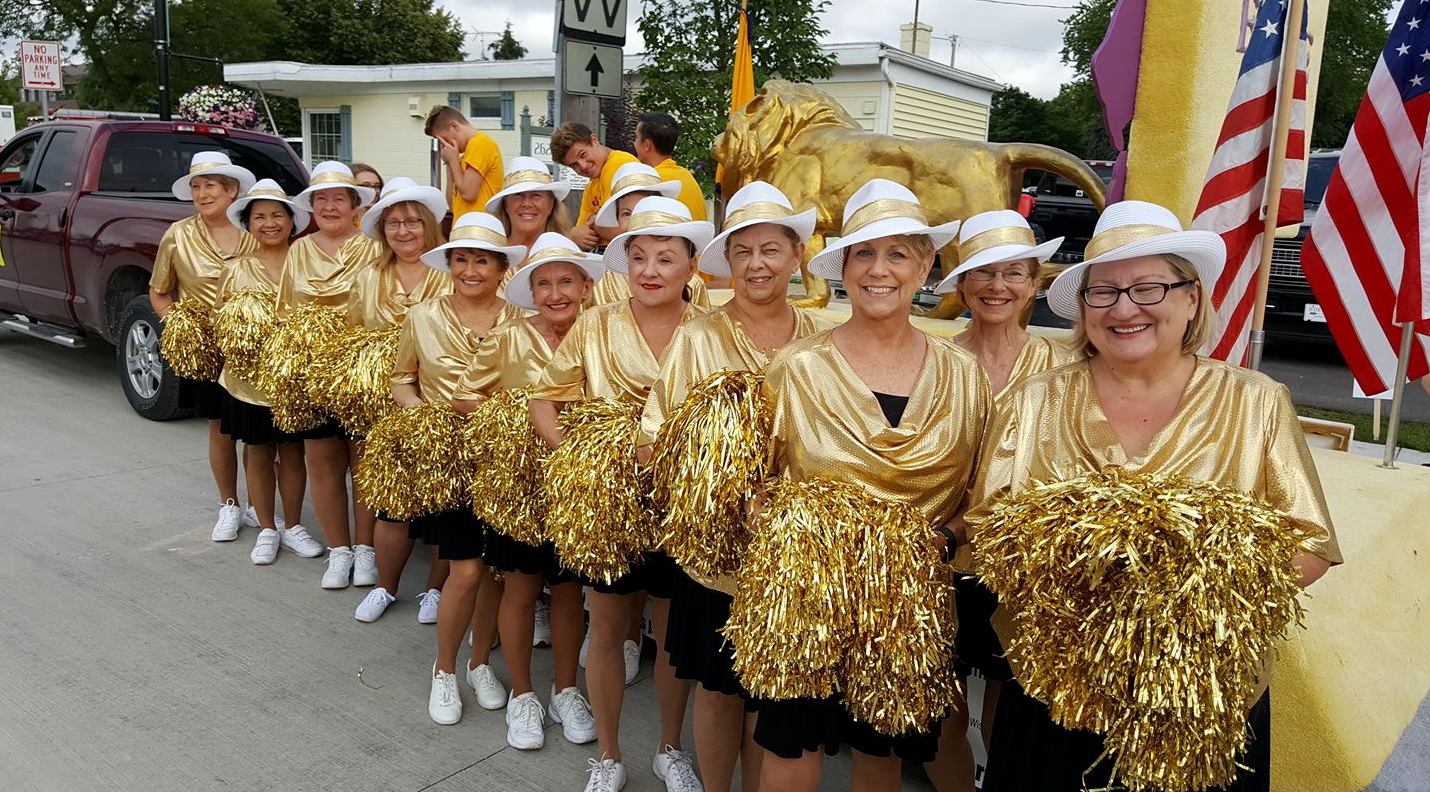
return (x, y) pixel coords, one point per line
(40, 66)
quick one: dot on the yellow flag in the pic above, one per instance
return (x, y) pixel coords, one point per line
(742, 89)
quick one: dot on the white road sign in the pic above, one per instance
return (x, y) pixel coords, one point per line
(40, 66)
(591, 69)
(601, 20)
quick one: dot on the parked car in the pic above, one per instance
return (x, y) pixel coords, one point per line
(83, 205)
(1062, 209)
(1292, 313)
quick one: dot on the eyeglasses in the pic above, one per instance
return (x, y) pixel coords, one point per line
(1013, 275)
(410, 225)
(1139, 293)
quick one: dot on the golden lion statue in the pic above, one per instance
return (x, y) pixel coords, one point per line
(802, 141)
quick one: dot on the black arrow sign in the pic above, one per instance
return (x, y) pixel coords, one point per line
(596, 69)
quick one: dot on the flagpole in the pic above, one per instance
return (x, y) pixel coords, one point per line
(1290, 55)
(1407, 337)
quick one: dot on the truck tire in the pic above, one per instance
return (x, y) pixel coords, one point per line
(151, 387)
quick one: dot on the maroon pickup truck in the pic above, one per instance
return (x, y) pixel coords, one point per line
(83, 205)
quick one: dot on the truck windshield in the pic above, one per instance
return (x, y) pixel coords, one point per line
(1318, 176)
(150, 162)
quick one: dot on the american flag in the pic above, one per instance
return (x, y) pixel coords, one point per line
(1365, 255)
(1234, 197)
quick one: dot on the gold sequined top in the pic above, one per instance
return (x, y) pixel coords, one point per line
(188, 260)
(310, 275)
(246, 274)
(378, 299)
(828, 423)
(513, 355)
(435, 348)
(1038, 355)
(613, 287)
(604, 356)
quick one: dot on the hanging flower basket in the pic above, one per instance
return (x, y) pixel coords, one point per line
(220, 104)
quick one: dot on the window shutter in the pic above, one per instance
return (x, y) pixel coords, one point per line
(508, 110)
(345, 112)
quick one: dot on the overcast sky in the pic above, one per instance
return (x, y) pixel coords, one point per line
(1011, 44)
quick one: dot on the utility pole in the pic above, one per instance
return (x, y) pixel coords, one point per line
(914, 47)
(161, 54)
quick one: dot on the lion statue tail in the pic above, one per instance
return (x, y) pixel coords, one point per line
(1033, 155)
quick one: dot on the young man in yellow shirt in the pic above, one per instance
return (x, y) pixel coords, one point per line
(656, 134)
(470, 156)
(574, 145)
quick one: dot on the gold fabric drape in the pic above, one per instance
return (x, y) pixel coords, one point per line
(604, 356)
(189, 261)
(310, 275)
(435, 349)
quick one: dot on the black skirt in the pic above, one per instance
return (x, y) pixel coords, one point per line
(790, 728)
(654, 574)
(976, 644)
(1030, 753)
(323, 431)
(698, 651)
(203, 397)
(458, 534)
(251, 423)
(508, 555)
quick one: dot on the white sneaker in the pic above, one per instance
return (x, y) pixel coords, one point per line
(364, 565)
(607, 775)
(265, 549)
(427, 606)
(585, 649)
(250, 519)
(490, 692)
(226, 527)
(297, 540)
(541, 634)
(373, 605)
(632, 652)
(525, 719)
(340, 568)
(444, 703)
(677, 769)
(571, 709)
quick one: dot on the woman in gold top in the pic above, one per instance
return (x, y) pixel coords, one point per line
(632, 182)
(272, 218)
(193, 256)
(615, 351)
(1145, 402)
(366, 176)
(553, 282)
(529, 204)
(404, 222)
(760, 247)
(320, 269)
(877, 403)
(997, 277)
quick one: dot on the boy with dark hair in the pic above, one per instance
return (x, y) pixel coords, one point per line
(656, 134)
(574, 145)
(471, 159)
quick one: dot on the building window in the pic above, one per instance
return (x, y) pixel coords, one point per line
(485, 111)
(325, 135)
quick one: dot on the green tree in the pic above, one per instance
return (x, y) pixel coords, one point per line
(368, 32)
(507, 47)
(1355, 36)
(690, 48)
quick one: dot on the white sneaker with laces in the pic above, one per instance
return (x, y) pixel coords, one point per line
(340, 568)
(491, 694)
(364, 565)
(632, 653)
(444, 703)
(427, 606)
(585, 649)
(541, 634)
(265, 549)
(229, 517)
(525, 719)
(250, 519)
(677, 769)
(571, 709)
(297, 540)
(373, 605)
(607, 775)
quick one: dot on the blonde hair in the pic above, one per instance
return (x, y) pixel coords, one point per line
(1198, 329)
(921, 245)
(559, 221)
(431, 230)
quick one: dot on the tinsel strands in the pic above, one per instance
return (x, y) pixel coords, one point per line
(187, 341)
(286, 360)
(507, 457)
(1145, 606)
(597, 514)
(351, 376)
(241, 326)
(710, 453)
(410, 462)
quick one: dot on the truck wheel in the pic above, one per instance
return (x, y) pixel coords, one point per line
(151, 387)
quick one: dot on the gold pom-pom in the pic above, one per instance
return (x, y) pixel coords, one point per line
(286, 360)
(410, 460)
(507, 457)
(187, 341)
(597, 513)
(351, 376)
(241, 326)
(710, 453)
(1145, 606)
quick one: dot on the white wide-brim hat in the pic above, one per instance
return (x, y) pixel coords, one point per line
(995, 237)
(212, 163)
(657, 215)
(527, 174)
(1131, 229)
(333, 175)
(477, 231)
(633, 177)
(268, 190)
(881, 208)
(400, 190)
(755, 203)
(549, 247)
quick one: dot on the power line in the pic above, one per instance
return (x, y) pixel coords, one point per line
(1028, 5)
(963, 37)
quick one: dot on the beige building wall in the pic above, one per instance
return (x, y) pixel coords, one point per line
(919, 112)
(860, 99)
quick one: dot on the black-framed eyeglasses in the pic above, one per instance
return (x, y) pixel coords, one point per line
(1140, 293)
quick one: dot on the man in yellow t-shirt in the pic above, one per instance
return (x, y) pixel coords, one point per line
(472, 160)
(656, 134)
(574, 145)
